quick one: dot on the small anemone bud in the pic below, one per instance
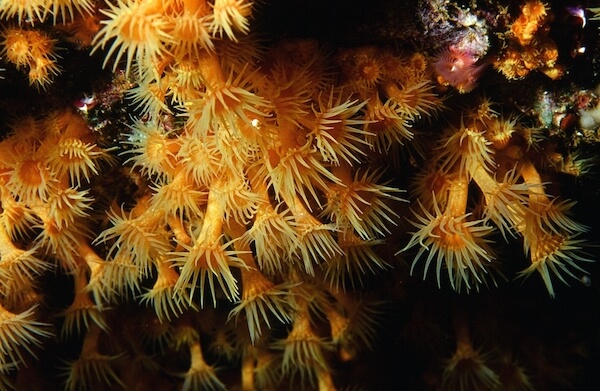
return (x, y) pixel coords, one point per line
(499, 132)
(15, 46)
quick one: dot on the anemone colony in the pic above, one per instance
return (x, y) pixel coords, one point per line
(253, 204)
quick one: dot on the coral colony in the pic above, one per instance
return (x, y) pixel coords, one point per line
(219, 211)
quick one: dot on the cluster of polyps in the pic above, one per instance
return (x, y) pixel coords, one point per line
(492, 153)
(45, 165)
(262, 193)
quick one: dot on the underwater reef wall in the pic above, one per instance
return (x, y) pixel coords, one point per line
(228, 194)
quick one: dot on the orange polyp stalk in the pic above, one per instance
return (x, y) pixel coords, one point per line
(93, 260)
(488, 185)
(457, 197)
(490, 188)
(142, 205)
(391, 89)
(289, 138)
(181, 235)
(302, 334)
(325, 381)
(464, 347)
(82, 299)
(289, 135)
(253, 281)
(197, 358)
(90, 342)
(167, 275)
(258, 184)
(212, 227)
(530, 175)
(194, 6)
(301, 214)
(87, 254)
(337, 323)
(484, 180)
(210, 69)
(247, 371)
(237, 230)
(301, 331)
(196, 355)
(80, 281)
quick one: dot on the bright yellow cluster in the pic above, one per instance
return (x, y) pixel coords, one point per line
(36, 11)
(262, 197)
(45, 165)
(499, 157)
(397, 91)
(175, 45)
(528, 45)
(33, 51)
(260, 193)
